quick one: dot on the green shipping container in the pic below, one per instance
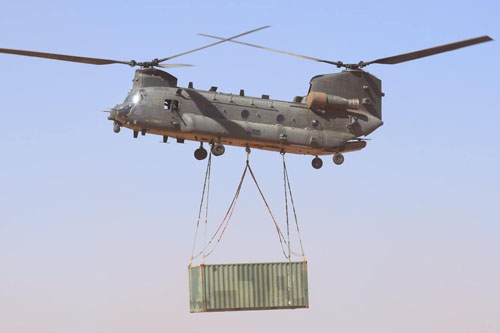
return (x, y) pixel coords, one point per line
(255, 286)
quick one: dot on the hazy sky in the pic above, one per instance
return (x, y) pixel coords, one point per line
(96, 227)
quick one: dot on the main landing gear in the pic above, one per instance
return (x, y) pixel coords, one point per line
(338, 158)
(200, 153)
(218, 149)
(317, 163)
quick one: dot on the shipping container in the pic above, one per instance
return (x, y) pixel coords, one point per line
(253, 286)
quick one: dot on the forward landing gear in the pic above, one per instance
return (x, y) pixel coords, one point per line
(116, 127)
(200, 153)
(218, 149)
(317, 163)
(338, 158)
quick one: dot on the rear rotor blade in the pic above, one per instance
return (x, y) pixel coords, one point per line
(336, 63)
(64, 57)
(427, 52)
(213, 44)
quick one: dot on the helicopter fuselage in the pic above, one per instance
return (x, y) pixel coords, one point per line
(156, 105)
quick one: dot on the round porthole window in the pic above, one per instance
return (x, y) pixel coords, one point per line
(280, 119)
(245, 114)
(315, 123)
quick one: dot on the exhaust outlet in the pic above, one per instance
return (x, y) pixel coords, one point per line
(321, 101)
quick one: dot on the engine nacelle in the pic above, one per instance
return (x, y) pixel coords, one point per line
(321, 101)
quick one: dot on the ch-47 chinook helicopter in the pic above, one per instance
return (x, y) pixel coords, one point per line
(338, 111)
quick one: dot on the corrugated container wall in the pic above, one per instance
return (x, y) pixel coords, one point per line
(255, 286)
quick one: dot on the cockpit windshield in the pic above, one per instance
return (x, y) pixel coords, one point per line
(136, 97)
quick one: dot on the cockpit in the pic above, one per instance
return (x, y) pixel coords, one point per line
(136, 97)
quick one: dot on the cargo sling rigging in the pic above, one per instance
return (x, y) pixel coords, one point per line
(210, 246)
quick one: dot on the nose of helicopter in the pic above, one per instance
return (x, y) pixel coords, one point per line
(119, 112)
(112, 114)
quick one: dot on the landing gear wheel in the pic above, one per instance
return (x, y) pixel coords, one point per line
(116, 127)
(218, 149)
(317, 163)
(338, 158)
(200, 153)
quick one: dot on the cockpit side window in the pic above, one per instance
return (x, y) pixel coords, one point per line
(171, 105)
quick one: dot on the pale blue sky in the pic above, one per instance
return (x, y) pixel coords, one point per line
(96, 227)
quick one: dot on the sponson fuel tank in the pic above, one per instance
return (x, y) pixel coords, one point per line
(352, 84)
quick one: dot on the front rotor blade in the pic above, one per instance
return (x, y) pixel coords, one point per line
(213, 44)
(64, 57)
(428, 52)
(173, 65)
(336, 63)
